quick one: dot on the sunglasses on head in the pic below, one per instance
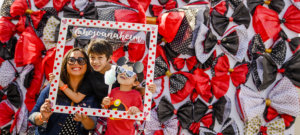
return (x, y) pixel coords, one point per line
(80, 61)
(128, 73)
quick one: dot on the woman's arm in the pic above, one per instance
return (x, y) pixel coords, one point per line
(87, 122)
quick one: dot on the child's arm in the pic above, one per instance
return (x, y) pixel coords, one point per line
(74, 96)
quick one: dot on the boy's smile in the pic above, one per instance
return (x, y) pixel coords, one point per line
(99, 62)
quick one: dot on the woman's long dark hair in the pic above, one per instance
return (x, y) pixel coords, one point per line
(64, 76)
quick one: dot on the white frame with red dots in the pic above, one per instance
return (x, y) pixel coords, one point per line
(65, 22)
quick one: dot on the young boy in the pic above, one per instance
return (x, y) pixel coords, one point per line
(124, 98)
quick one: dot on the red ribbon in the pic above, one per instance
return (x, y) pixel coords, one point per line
(190, 62)
(135, 52)
(157, 9)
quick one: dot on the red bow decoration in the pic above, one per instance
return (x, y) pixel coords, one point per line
(135, 52)
(267, 24)
(156, 10)
(270, 114)
(40, 3)
(180, 62)
(125, 15)
(20, 7)
(205, 87)
(28, 48)
(7, 113)
(220, 7)
(207, 121)
(7, 29)
(59, 4)
(168, 24)
(238, 74)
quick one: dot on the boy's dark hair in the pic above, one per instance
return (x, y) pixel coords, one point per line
(100, 46)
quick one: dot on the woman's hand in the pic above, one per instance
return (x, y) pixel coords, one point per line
(79, 117)
(46, 110)
(51, 77)
(152, 88)
(133, 110)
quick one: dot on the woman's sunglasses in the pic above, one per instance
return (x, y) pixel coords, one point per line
(80, 61)
(128, 73)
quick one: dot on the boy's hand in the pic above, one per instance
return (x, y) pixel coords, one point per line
(152, 88)
(106, 101)
(133, 110)
(51, 77)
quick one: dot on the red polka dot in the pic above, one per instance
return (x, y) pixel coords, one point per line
(110, 115)
(151, 70)
(149, 100)
(146, 95)
(116, 112)
(129, 26)
(152, 53)
(59, 42)
(152, 62)
(56, 59)
(52, 85)
(57, 108)
(133, 24)
(116, 23)
(150, 49)
(151, 41)
(150, 58)
(83, 20)
(95, 23)
(144, 118)
(147, 83)
(123, 24)
(99, 111)
(138, 27)
(141, 115)
(135, 116)
(143, 25)
(91, 20)
(70, 112)
(128, 117)
(103, 24)
(57, 64)
(124, 113)
(154, 36)
(152, 32)
(80, 22)
(54, 89)
(120, 115)
(52, 110)
(103, 113)
(145, 105)
(99, 21)
(149, 109)
(120, 26)
(61, 110)
(74, 109)
(107, 22)
(85, 113)
(64, 28)
(61, 46)
(55, 67)
(154, 45)
(88, 24)
(94, 113)
(57, 73)
(148, 75)
(149, 66)
(81, 109)
(108, 111)
(77, 20)
(59, 55)
(62, 38)
(57, 50)
(66, 107)
(50, 93)
(111, 25)
(73, 23)
(60, 33)
(150, 80)
(148, 28)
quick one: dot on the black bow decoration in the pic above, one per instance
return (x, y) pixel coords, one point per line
(294, 43)
(277, 53)
(13, 95)
(276, 5)
(240, 16)
(28, 78)
(166, 110)
(7, 50)
(89, 12)
(230, 42)
(228, 128)
(290, 69)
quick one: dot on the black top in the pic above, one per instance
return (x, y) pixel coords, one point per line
(96, 86)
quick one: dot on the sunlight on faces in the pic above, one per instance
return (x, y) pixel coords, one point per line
(76, 69)
(124, 80)
(98, 61)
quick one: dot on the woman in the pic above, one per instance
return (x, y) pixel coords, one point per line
(74, 69)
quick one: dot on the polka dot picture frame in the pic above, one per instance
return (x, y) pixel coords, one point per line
(106, 26)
